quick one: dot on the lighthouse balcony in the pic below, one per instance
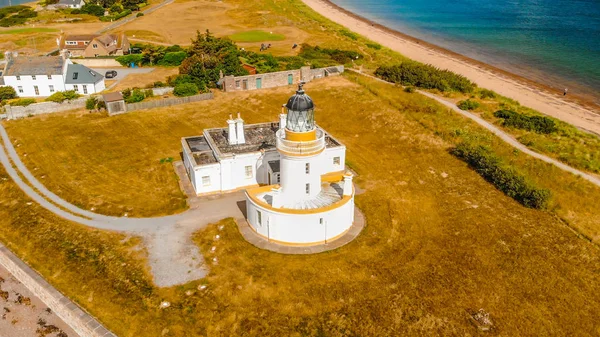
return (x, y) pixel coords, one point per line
(301, 148)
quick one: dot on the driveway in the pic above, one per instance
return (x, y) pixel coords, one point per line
(122, 71)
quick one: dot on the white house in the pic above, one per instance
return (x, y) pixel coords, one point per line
(70, 4)
(44, 75)
(297, 190)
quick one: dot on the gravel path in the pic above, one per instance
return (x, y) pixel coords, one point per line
(173, 257)
(496, 131)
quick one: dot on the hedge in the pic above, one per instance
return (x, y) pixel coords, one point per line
(126, 60)
(505, 178)
(411, 73)
(539, 124)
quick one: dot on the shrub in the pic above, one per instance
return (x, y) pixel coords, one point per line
(126, 93)
(409, 89)
(7, 93)
(484, 93)
(23, 102)
(101, 105)
(92, 9)
(137, 95)
(159, 84)
(185, 89)
(61, 96)
(148, 93)
(126, 60)
(375, 46)
(349, 34)
(115, 9)
(539, 124)
(76, 11)
(91, 103)
(420, 75)
(505, 178)
(139, 14)
(173, 58)
(468, 105)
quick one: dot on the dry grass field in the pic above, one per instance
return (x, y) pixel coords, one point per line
(439, 239)
(142, 80)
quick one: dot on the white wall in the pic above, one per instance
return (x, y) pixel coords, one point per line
(327, 159)
(213, 172)
(301, 228)
(41, 81)
(91, 88)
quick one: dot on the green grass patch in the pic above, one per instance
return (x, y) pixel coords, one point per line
(28, 31)
(256, 36)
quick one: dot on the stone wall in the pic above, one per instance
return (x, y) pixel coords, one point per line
(80, 321)
(168, 102)
(276, 79)
(162, 91)
(14, 112)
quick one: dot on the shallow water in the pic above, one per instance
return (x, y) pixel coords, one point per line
(553, 42)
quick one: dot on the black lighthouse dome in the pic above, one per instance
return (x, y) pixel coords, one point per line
(300, 101)
(300, 112)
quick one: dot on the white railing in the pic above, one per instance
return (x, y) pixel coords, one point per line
(301, 147)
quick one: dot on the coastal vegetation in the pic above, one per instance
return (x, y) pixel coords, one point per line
(412, 270)
(15, 15)
(256, 36)
(539, 124)
(410, 73)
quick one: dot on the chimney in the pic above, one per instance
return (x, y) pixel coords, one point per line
(347, 183)
(239, 124)
(282, 118)
(232, 138)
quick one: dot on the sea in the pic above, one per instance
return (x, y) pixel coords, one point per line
(553, 42)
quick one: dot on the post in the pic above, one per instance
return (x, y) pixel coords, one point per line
(239, 123)
(347, 183)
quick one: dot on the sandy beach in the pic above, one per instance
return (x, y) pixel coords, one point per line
(530, 94)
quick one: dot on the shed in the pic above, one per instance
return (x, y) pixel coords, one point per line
(115, 103)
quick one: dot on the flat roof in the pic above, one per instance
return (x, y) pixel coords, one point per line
(201, 151)
(257, 137)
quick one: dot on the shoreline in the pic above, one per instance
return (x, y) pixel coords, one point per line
(578, 111)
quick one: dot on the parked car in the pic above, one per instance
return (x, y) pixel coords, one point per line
(110, 74)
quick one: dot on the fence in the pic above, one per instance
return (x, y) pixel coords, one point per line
(168, 102)
(13, 112)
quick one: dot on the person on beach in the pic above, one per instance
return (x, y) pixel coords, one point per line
(565, 93)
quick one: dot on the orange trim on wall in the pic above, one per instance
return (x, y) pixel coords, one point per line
(300, 136)
(292, 244)
(289, 154)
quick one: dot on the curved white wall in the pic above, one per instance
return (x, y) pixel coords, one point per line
(300, 228)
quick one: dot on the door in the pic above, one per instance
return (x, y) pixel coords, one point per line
(269, 178)
(245, 84)
(258, 83)
(290, 79)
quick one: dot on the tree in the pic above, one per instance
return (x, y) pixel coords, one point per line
(7, 93)
(185, 89)
(92, 10)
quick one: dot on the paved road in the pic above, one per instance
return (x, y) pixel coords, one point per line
(173, 257)
(503, 135)
(133, 17)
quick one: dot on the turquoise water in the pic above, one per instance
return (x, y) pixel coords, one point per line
(555, 42)
(5, 3)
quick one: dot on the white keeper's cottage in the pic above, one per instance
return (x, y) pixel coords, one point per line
(297, 189)
(42, 76)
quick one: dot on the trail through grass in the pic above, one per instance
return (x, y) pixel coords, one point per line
(256, 36)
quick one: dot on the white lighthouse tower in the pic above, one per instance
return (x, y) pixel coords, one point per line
(312, 204)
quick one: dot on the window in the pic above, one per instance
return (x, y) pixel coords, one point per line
(307, 168)
(320, 221)
(75, 75)
(259, 217)
(35, 88)
(51, 87)
(237, 84)
(307, 188)
(206, 181)
(18, 78)
(278, 178)
(76, 88)
(84, 89)
(95, 46)
(20, 89)
(86, 42)
(72, 43)
(33, 77)
(49, 77)
(248, 171)
(336, 161)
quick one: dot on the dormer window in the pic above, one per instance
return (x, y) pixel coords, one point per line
(33, 77)
(95, 46)
(75, 75)
(49, 77)
(18, 78)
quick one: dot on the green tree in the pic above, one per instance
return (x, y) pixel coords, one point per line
(7, 93)
(185, 89)
(92, 9)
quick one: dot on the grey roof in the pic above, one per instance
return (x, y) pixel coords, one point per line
(1, 80)
(300, 101)
(69, 2)
(79, 74)
(274, 164)
(38, 65)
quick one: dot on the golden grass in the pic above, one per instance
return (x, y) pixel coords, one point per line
(142, 80)
(439, 239)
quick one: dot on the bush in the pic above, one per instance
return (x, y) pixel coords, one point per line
(76, 11)
(126, 60)
(185, 89)
(539, 124)
(7, 93)
(468, 105)
(101, 105)
(137, 95)
(126, 93)
(19, 16)
(92, 9)
(505, 178)
(115, 9)
(484, 93)
(159, 84)
(375, 46)
(409, 89)
(23, 102)
(139, 14)
(91, 103)
(148, 93)
(173, 58)
(411, 73)
(61, 96)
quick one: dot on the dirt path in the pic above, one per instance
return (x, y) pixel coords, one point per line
(496, 131)
(173, 257)
(544, 102)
